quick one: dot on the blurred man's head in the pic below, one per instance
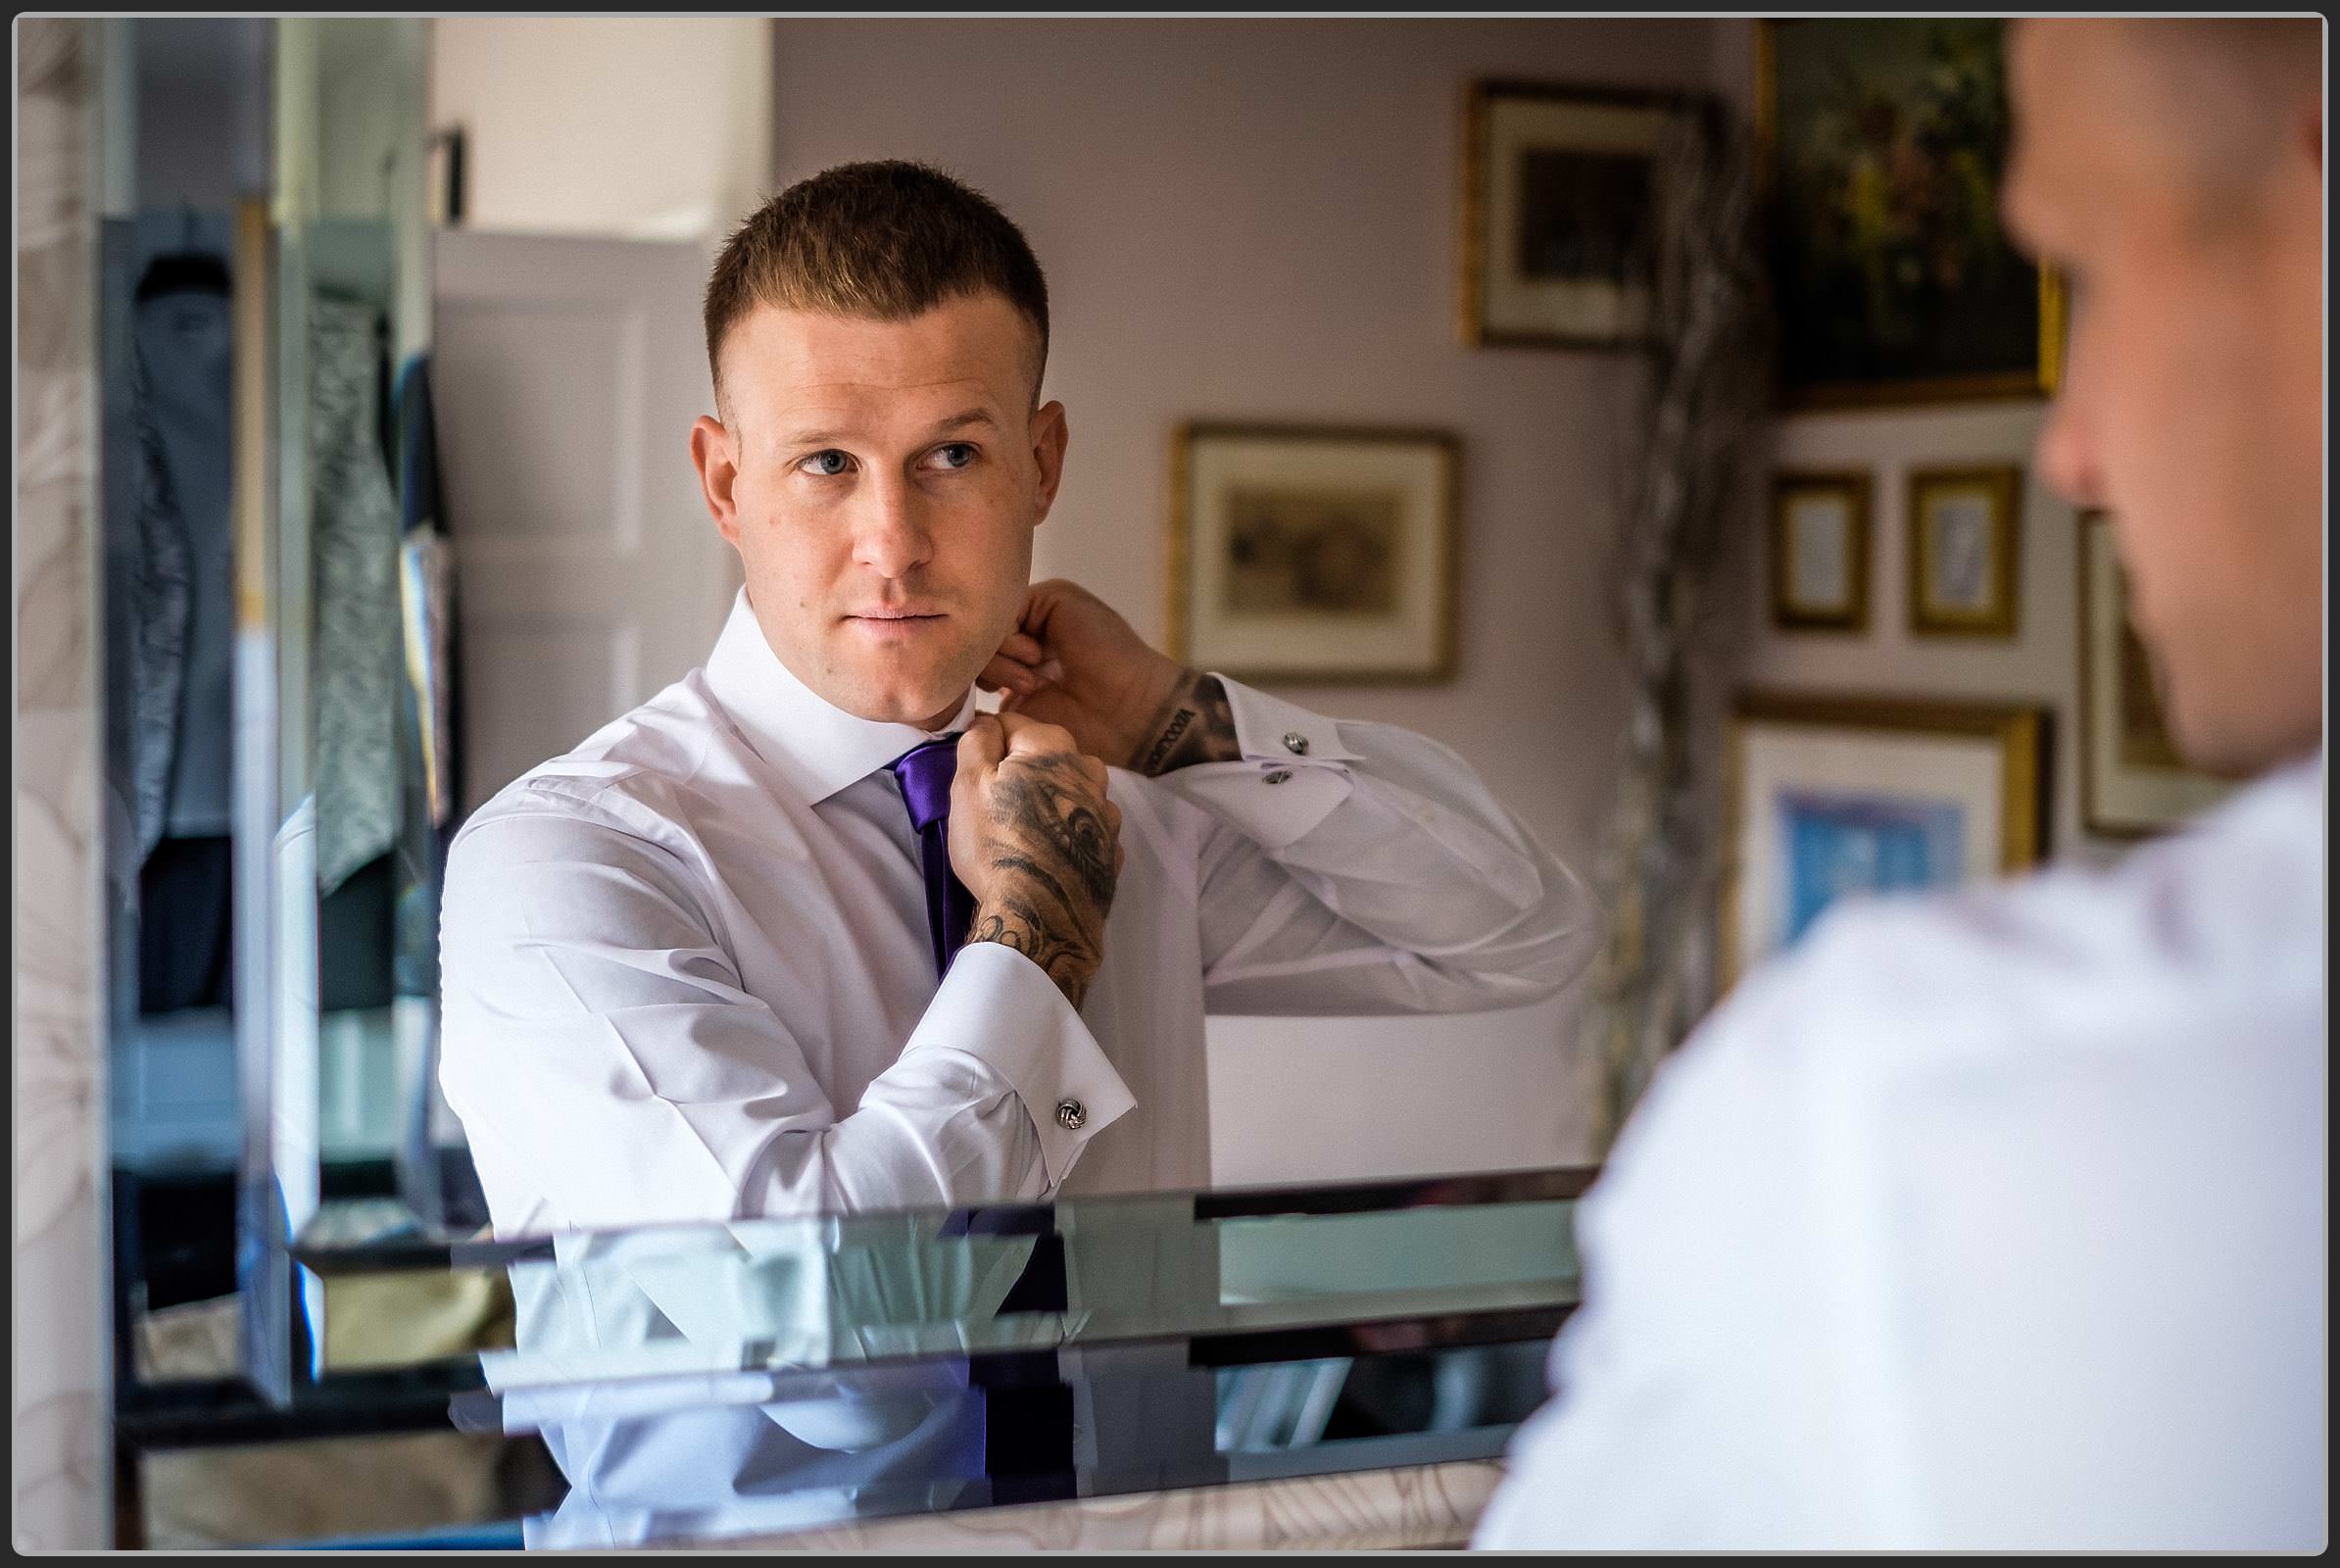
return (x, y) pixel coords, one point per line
(877, 335)
(2174, 171)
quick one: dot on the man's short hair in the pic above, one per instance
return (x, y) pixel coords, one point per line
(885, 240)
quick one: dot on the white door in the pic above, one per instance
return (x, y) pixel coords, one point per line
(588, 574)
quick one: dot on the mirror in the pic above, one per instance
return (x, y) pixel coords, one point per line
(264, 305)
(186, 145)
(464, 533)
(379, 388)
(361, 618)
(695, 1384)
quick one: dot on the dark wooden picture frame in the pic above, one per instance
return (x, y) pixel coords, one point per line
(1476, 245)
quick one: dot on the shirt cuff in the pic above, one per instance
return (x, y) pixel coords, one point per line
(1271, 729)
(1002, 1008)
(1293, 771)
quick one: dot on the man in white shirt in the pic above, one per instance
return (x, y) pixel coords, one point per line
(1998, 1219)
(690, 968)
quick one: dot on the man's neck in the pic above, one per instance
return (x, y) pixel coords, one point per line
(944, 720)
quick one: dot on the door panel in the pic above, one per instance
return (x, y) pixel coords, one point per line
(589, 575)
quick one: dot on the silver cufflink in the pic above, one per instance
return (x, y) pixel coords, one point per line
(1071, 1115)
(1297, 744)
(1279, 776)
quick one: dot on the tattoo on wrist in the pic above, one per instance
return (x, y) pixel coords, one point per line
(1196, 725)
(1016, 924)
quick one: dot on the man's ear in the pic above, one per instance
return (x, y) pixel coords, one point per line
(1048, 437)
(717, 463)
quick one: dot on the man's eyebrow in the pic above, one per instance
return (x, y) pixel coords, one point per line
(823, 436)
(811, 437)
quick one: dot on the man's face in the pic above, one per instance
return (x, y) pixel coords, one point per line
(2192, 402)
(881, 481)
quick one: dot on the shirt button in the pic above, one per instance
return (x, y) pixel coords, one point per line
(1071, 1115)
(1279, 776)
(1297, 744)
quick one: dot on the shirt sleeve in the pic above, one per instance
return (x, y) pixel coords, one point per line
(1362, 868)
(610, 1068)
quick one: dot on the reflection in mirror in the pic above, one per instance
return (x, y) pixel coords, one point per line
(362, 621)
(275, 593)
(185, 106)
(822, 1293)
(701, 1383)
(630, 1046)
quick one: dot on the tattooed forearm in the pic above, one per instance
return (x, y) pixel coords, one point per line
(1196, 725)
(1051, 860)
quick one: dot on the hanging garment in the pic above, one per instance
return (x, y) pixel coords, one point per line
(426, 584)
(183, 570)
(354, 524)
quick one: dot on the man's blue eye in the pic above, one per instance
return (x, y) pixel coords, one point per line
(957, 455)
(827, 464)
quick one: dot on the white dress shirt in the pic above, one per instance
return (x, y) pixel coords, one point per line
(687, 977)
(1985, 1220)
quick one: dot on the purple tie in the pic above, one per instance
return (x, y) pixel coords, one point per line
(925, 773)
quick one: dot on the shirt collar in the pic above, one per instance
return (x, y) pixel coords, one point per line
(820, 747)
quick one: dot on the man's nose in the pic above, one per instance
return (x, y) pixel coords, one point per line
(2066, 456)
(890, 537)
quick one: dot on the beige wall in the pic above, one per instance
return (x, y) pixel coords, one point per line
(59, 1392)
(1256, 218)
(639, 127)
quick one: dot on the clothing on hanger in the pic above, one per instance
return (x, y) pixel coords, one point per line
(354, 521)
(180, 363)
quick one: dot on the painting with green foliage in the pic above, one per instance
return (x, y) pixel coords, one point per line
(1888, 139)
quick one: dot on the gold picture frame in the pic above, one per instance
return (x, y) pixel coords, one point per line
(1791, 553)
(2133, 783)
(1950, 594)
(1306, 552)
(2040, 378)
(1986, 760)
(1495, 304)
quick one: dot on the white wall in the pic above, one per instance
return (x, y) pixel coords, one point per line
(643, 127)
(1256, 218)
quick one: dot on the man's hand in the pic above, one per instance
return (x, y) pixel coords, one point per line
(1075, 664)
(1037, 843)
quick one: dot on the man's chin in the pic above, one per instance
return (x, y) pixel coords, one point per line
(2240, 739)
(926, 705)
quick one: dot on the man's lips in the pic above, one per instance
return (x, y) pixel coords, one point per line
(893, 622)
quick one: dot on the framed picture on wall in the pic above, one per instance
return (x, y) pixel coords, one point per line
(1831, 797)
(1964, 549)
(1557, 186)
(1314, 551)
(1820, 552)
(2132, 781)
(1884, 140)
